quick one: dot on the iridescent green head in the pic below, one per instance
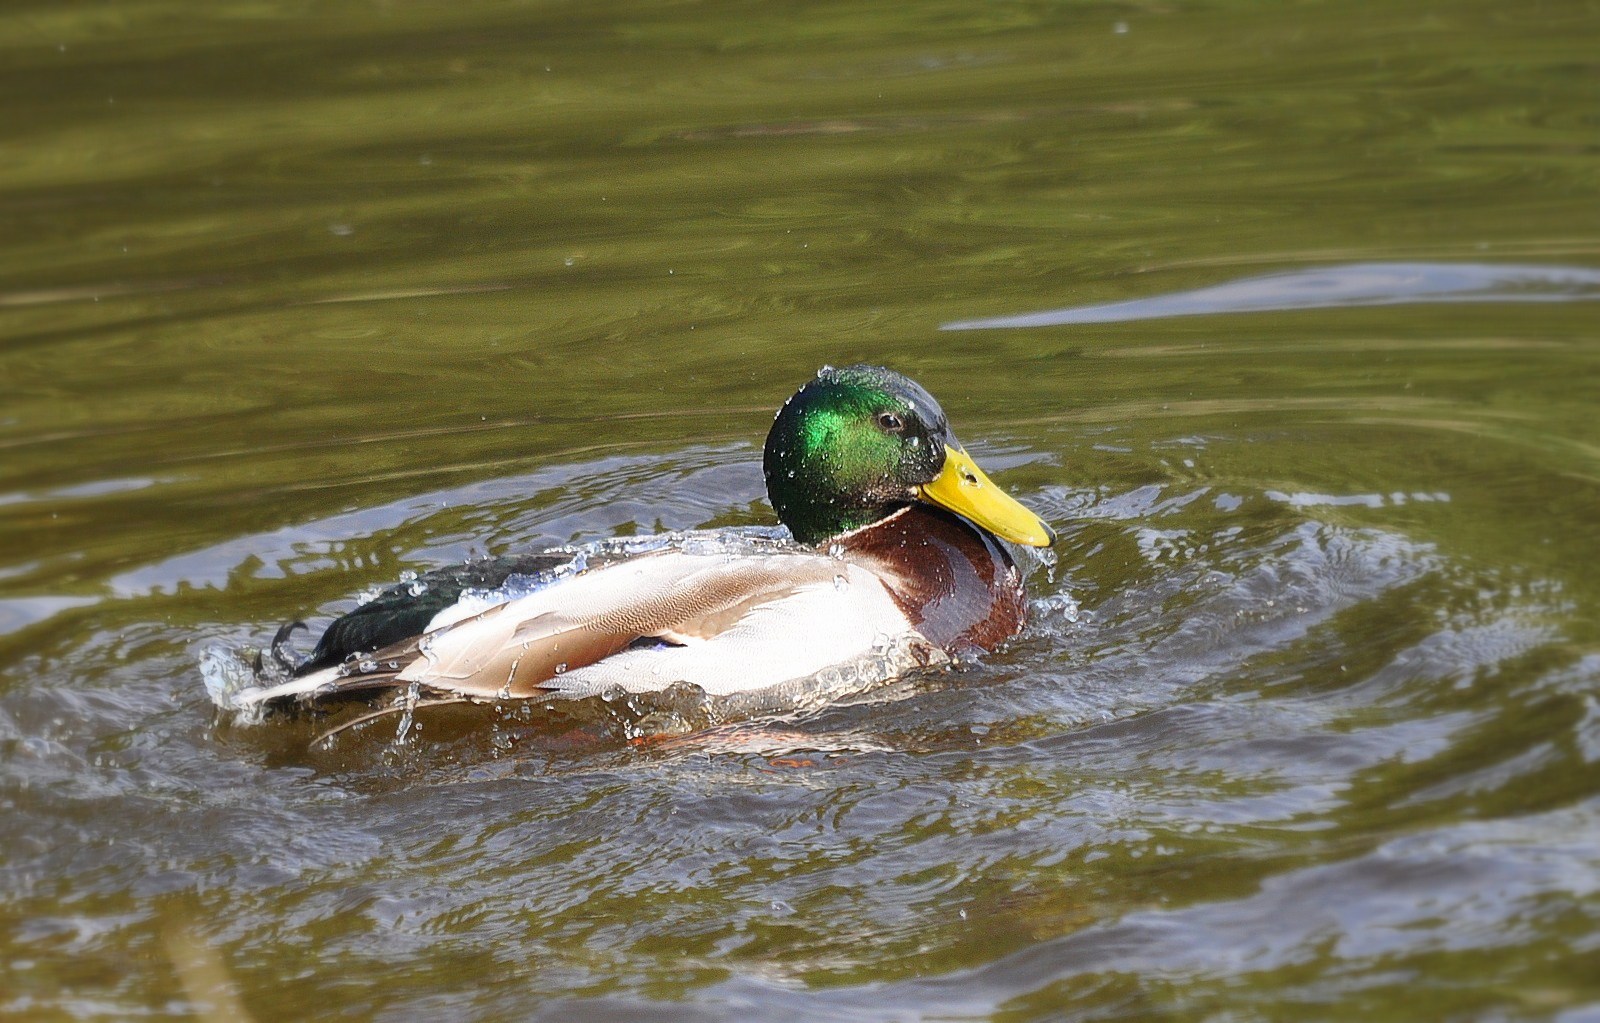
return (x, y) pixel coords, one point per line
(856, 444)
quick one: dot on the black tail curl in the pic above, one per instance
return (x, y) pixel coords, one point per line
(280, 651)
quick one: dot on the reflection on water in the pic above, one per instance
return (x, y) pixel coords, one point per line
(1331, 287)
(1305, 723)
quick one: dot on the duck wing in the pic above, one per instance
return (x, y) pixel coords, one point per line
(518, 649)
(403, 611)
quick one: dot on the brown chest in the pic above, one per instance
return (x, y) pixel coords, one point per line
(957, 585)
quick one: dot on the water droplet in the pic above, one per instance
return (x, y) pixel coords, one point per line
(408, 717)
(561, 668)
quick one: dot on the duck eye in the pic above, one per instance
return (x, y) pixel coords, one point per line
(891, 422)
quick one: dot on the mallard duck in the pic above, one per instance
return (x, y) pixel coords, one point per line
(894, 564)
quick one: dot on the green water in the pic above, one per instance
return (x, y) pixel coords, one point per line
(293, 300)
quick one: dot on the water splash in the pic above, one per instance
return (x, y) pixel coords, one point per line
(408, 715)
(736, 542)
(226, 673)
(474, 601)
(1056, 607)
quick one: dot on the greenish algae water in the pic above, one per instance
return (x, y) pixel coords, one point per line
(293, 300)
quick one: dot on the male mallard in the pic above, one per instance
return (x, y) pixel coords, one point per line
(894, 564)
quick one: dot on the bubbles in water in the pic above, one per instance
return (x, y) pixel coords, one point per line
(659, 723)
(1056, 607)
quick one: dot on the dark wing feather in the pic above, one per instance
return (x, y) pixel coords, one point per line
(397, 614)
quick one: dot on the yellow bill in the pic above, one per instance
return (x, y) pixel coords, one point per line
(963, 488)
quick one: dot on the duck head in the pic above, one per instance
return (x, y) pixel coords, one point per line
(856, 444)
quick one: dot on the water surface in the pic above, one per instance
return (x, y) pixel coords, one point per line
(1307, 722)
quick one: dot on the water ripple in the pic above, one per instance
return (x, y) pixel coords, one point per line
(1355, 284)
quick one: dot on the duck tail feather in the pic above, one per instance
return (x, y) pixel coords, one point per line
(280, 652)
